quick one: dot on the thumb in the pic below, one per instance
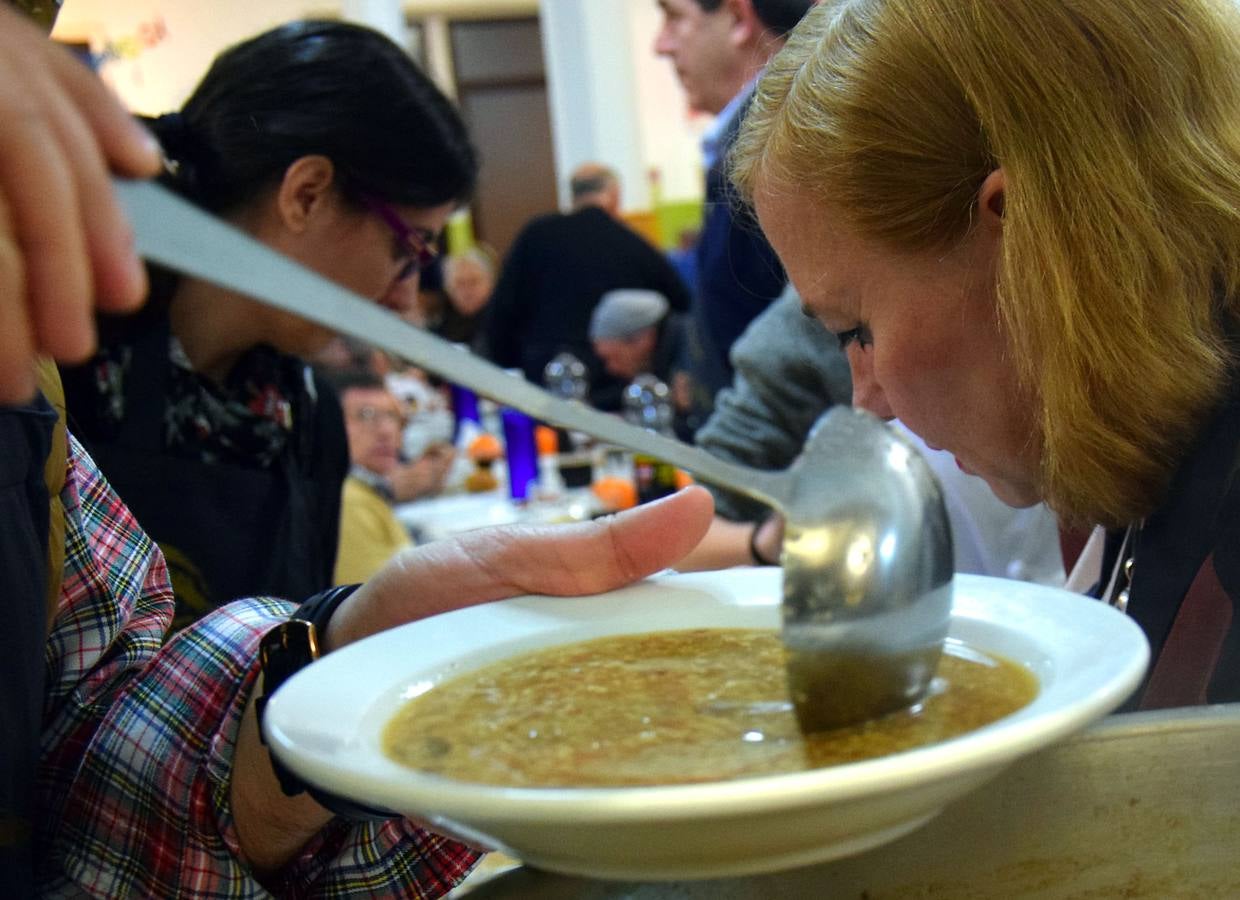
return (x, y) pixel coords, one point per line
(494, 563)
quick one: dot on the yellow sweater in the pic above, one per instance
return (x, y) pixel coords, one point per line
(370, 533)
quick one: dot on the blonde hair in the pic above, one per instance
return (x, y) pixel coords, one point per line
(1117, 126)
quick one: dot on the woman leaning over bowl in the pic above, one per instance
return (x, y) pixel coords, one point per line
(326, 142)
(1022, 219)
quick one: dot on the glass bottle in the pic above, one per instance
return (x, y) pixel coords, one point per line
(567, 377)
(648, 404)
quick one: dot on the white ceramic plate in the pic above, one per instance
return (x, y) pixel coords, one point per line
(325, 724)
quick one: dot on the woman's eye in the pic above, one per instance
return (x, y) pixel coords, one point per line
(860, 334)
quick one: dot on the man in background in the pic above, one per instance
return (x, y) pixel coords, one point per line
(634, 333)
(718, 48)
(370, 533)
(559, 266)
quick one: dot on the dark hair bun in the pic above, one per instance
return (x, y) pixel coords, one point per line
(185, 153)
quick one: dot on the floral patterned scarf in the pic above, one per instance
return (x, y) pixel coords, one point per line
(246, 421)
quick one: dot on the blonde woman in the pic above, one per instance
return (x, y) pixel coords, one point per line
(1022, 221)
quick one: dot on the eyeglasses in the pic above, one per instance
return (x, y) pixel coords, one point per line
(417, 245)
(372, 416)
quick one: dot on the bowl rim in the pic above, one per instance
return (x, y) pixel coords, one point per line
(1053, 714)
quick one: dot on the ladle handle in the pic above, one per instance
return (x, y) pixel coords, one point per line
(176, 234)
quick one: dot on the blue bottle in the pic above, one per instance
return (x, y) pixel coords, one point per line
(521, 451)
(464, 409)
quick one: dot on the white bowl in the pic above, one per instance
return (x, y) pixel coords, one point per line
(326, 723)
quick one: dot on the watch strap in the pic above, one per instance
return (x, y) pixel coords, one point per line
(754, 553)
(285, 650)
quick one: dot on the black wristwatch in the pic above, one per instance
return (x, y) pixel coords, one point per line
(285, 650)
(757, 557)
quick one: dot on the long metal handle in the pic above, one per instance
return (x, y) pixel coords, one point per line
(176, 234)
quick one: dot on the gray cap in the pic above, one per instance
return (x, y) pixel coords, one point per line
(626, 311)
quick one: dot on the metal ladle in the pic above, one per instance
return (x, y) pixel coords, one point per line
(867, 555)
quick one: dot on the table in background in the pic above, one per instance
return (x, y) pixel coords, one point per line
(439, 517)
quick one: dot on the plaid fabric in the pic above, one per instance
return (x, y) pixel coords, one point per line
(138, 739)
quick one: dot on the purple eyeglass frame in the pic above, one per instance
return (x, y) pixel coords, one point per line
(419, 243)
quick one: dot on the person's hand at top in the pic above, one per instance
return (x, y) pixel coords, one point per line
(65, 246)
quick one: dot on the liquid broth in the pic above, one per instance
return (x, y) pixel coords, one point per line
(671, 707)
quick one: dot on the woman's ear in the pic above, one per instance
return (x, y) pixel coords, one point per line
(990, 199)
(305, 190)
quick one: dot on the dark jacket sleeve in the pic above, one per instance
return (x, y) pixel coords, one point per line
(669, 283)
(501, 325)
(789, 370)
(331, 465)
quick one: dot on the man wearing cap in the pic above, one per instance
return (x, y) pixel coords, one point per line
(634, 332)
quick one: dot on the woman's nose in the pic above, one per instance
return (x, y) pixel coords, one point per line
(867, 394)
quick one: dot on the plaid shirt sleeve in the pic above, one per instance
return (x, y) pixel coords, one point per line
(139, 735)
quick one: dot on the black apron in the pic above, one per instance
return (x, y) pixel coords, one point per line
(1195, 533)
(25, 439)
(227, 531)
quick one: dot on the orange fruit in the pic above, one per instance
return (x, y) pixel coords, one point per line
(485, 447)
(615, 492)
(547, 440)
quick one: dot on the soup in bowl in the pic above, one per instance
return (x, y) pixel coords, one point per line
(333, 724)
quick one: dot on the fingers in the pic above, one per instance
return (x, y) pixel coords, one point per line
(126, 145)
(490, 564)
(63, 241)
(44, 219)
(108, 140)
(412, 480)
(642, 540)
(17, 382)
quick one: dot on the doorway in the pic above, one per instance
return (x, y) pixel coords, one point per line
(502, 91)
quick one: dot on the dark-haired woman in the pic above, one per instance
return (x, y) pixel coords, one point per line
(326, 142)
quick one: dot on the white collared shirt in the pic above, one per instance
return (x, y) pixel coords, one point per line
(712, 136)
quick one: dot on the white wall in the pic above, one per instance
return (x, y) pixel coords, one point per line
(670, 133)
(613, 101)
(589, 66)
(382, 15)
(159, 78)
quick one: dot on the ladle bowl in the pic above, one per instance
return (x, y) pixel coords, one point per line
(867, 554)
(868, 563)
